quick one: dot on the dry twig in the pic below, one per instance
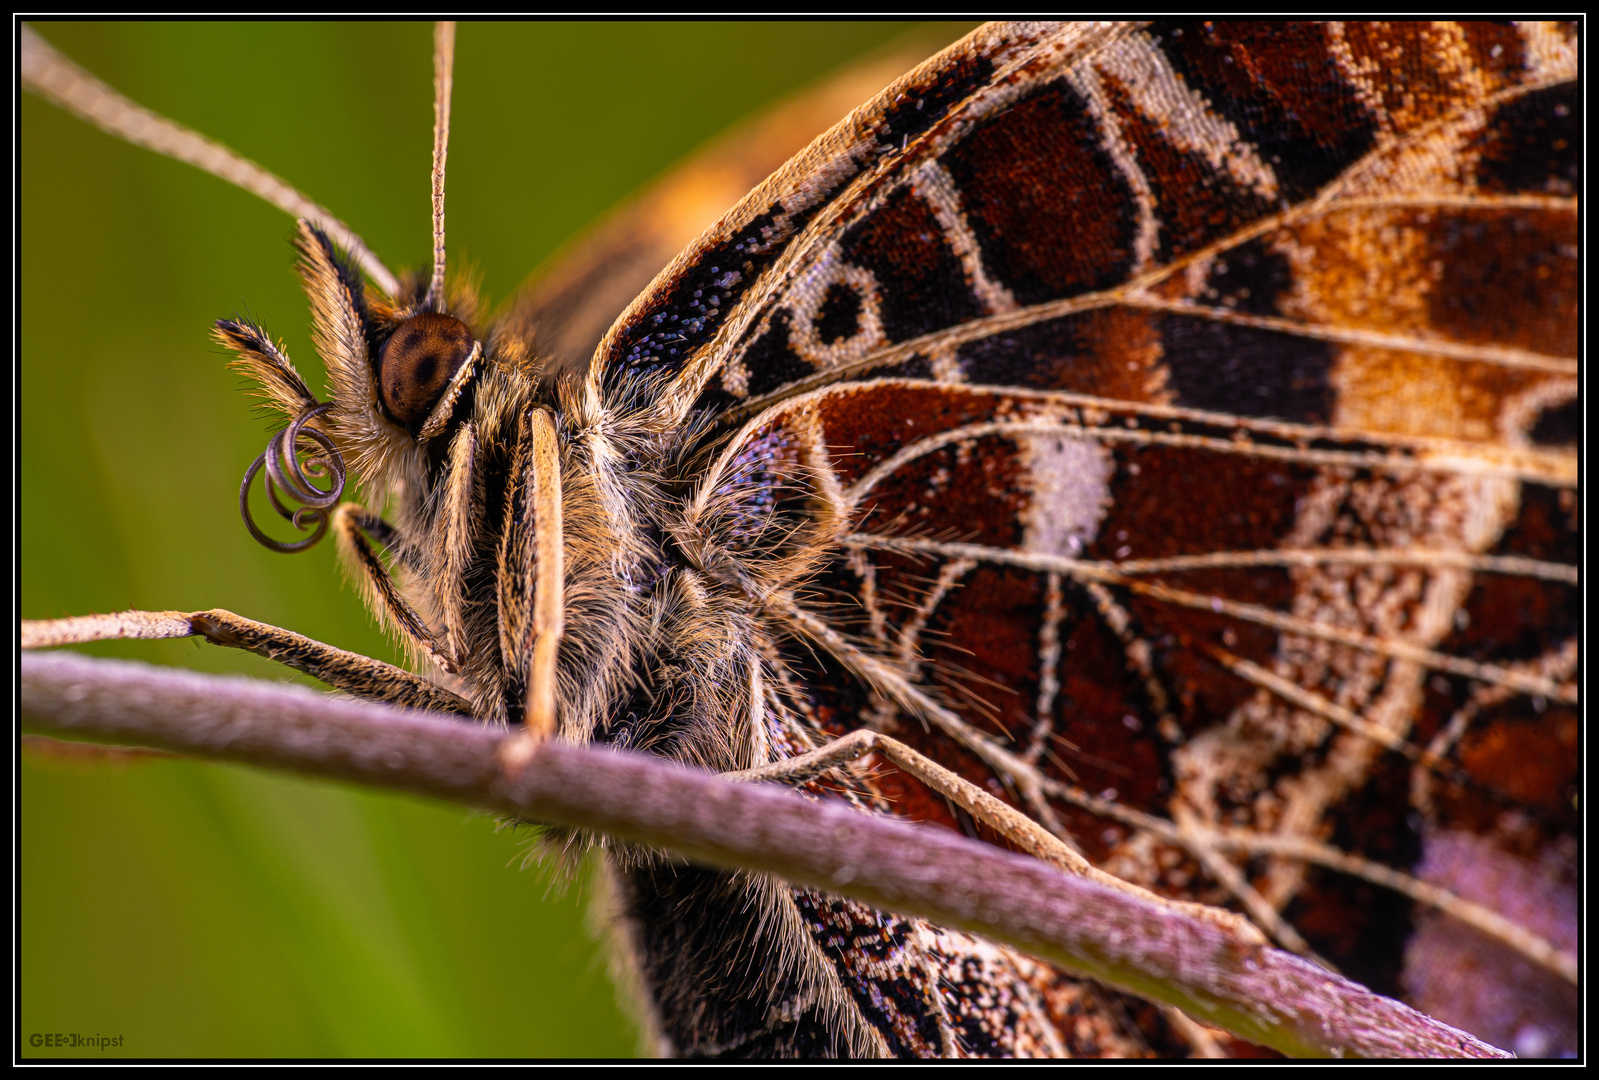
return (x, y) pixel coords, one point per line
(1259, 993)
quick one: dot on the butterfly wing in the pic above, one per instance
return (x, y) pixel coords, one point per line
(570, 301)
(1171, 428)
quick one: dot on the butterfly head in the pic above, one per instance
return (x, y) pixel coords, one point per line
(402, 371)
(401, 364)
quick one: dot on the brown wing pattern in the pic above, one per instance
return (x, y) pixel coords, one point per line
(1172, 430)
(676, 335)
(571, 301)
(1282, 656)
(1152, 225)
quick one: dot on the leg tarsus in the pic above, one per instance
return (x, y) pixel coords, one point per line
(351, 672)
(118, 626)
(1011, 823)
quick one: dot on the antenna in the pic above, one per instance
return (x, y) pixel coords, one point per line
(443, 83)
(53, 77)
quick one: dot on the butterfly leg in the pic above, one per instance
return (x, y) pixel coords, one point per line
(460, 508)
(351, 672)
(530, 580)
(356, 529)
(1015, 826)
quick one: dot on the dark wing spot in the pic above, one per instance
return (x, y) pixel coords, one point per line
(839, 317)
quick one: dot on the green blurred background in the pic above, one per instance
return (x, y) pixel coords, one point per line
(204, 910)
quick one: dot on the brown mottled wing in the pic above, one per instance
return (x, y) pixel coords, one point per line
(1172, 428)
(677, 334)
(569, 303)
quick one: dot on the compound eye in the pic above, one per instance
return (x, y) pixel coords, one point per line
(422, 356)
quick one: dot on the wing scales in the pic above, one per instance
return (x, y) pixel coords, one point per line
(1098, 392)
(1000, 560)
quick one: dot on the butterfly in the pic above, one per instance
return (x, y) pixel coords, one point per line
(977, 261)
(300, 923)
